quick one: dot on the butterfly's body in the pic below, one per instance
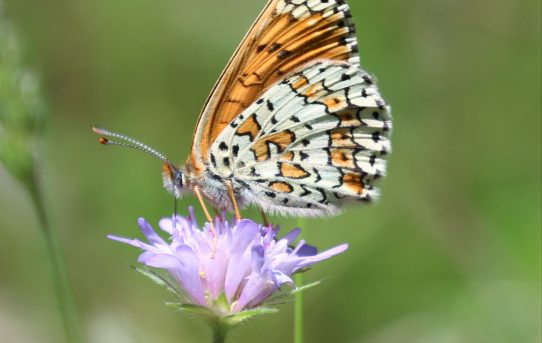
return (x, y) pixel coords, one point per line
(294, 125)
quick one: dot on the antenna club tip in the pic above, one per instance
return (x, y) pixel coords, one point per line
(103, 141)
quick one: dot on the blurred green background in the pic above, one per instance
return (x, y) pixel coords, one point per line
(450, 255)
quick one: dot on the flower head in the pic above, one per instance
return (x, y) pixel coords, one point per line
(228, 268)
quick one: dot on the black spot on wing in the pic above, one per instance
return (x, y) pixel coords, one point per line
(271, 194)
(235, 150)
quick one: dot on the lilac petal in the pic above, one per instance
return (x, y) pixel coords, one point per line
(238, 269)
(307, 250)
(188, 274)
(278, 247)
(219, 226)
(160, 261)
(287, 265)
(306, 261)
(244, 234)
(149, 232)
(298, 247)
(262, 296)
(224, 216)
(133, 242)
(192, 216)
(281, 278)
(215, 274)
(252, 290)
(269, 236)
(296, 261)
(144, 256)
(201, 243)
(258, 258)
(166, 224)
(291, 236)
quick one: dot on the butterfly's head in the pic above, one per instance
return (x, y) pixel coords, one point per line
(174, 179)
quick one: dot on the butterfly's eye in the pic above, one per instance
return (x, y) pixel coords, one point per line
(174, 179)
(178, 179)
(173, 176)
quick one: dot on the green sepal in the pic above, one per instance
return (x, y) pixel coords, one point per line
(200, 311)
(287, 296)
(305, 287)
(230, 320)
(215, 320)
(159, 280)
(240, 317)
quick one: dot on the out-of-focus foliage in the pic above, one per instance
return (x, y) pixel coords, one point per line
(21, 110)
(450, 255)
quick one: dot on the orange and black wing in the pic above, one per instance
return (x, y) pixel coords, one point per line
(287, 35)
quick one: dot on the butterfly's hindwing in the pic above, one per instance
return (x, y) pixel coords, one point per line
(313, 141)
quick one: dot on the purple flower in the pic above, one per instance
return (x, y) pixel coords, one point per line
(230, 267)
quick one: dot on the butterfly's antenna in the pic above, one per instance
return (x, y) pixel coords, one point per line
(128, 142)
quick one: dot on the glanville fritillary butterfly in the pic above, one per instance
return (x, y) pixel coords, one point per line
(293, 125)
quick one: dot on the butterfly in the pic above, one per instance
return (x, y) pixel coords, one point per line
(293, 125)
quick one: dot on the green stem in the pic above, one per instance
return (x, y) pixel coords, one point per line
(57, 267)
(219, 334)
(298, 301)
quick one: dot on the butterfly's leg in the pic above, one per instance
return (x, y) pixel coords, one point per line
(203, 206)
(264, 217)
(231, 194)
(217, 212)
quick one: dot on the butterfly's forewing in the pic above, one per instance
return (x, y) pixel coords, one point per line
(287, 35)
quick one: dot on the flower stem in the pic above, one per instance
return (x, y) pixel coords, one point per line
(219, 334)
(57, 267)
(298, 302)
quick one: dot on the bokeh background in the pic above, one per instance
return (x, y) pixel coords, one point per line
(451, 254)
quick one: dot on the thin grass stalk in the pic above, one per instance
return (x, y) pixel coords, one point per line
(298, 300)
(57, 267)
